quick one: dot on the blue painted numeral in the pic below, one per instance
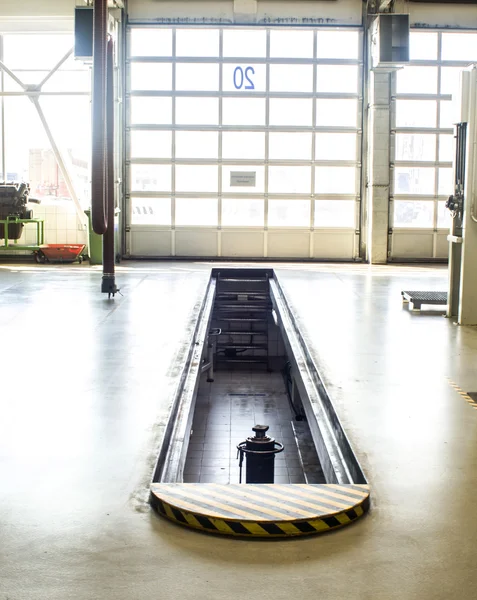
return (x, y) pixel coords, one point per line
(239, 78)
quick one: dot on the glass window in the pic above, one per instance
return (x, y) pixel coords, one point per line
(244, 43)
(35, 51)
(151, 111)
(291, 78)
(341, 113)
(197, 42)
(444, 218)
(416, 113)
(446, 182)
(411, 213)
(244, 145)
(247, 78)
(337, 79)
(337, 44)
(289, 146)
(335, 180)
(450, 80)
(197, 77)
(335, 146)
(151, 76)
(423, 46)
(151, 144)
(446, 148)
(415, 147)
(414, 180)
(197, 111)
(289, 213)
(197, 144)
(291, 43)
(242, 212)
(459, 46)
(197, 211)
(334, 213)
(150, 211)
(150, 178)
(417, 80)
(241, 179)
(151, 42)
(196, 178)
(291, 112)
(289, 180)
(243, 111)
(448, 115)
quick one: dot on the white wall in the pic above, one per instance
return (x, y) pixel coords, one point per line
(294, 12)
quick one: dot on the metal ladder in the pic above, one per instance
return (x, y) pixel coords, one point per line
(242, 308)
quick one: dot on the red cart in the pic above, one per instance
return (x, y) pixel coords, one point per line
(63, 253)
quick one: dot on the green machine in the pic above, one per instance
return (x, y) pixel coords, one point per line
(15, 214)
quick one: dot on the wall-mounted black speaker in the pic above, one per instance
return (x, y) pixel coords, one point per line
(83, 32)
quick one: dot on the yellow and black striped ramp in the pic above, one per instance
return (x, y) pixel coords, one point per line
(260, 510)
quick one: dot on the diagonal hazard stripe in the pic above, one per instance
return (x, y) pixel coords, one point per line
(273, 498)
(322, 495)
(349, 491)
(290, 498)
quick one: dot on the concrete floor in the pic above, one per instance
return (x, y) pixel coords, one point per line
(85, 395)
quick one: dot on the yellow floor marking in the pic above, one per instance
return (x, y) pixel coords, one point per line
(325, 492)
(221, 526)
(347, 490)
(176, 502)
(343, 518)
(327, 510)
(289, 528)
(255, 528)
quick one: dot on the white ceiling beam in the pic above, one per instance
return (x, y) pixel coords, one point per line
(383, 4)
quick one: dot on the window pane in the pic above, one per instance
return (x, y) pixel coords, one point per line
(196, 178)
(459, 46)
(244, 43)
(197, 77)
(291, 44)
(151, 42)
(448, 115)
(414, 147)
(416, 113)
(410, 213)
(150, 211)
(239, 179)
(414, 180)
(417, 80)
(443, 216)
(290, 146)
(197, 111)
(289, 180)
(446, 182)
(289, 213)
(243, 111)
(151, 111)
(150, 178)
(337, 44)
(335, 146)
(37, 51)
(240, 212)
(247, 78)
(341, 113)
(450, 80)
(197, 144)
(423, 46)
(196, 211)
(337, 78)
(151, 144)
(291, 78)
(335, 180)
(151, 76)
(291, 111)
(197, 42)
(334, 213)
(446, 148)
(243, 145)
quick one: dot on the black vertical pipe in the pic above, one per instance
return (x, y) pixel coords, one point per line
(99, 159)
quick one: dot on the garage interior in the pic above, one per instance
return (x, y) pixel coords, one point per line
(248, 134)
